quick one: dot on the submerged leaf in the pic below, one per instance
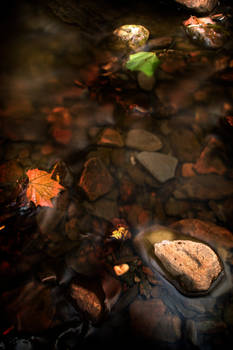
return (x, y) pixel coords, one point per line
(41, 187)
(146, 62)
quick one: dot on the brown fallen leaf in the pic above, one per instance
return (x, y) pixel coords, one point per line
(41, 187)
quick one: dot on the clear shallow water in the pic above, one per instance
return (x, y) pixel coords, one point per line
(56, 101)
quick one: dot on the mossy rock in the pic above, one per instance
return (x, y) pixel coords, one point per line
(130, 37)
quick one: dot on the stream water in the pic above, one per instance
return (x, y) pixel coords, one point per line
(68, 107)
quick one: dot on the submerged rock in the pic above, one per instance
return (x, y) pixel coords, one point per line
(95, 179)
(88, 296)
(161, 166)
(204, 187)
(215, 235)
(111, 137)
(193, 264)
(130, 36)
(205, 31)
(159, 325)
(143, 140)
(201, 6)
(146, 83)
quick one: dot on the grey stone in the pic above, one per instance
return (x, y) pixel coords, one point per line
(143, 140)
(161, 166)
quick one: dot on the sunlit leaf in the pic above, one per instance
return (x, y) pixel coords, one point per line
(121, 269)
(146, 62)
(42, 188)
(121, 233)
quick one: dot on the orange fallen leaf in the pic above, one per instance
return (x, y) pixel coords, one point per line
(121, 269)
(41, 187)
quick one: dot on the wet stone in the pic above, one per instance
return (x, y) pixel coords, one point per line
(146, 83)
(215, 235)
(151, 320)
(175, 207)
(130, 36)
(88, 296)
(161, 166)
(210, 160)
(95, 179)
(143, 140)
(205, 31)
(201, 6)
(185, 145)
(204, 187)
(193, 264)
(111, 137)
(103, 208)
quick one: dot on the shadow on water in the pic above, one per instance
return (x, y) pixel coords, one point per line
(69, 107)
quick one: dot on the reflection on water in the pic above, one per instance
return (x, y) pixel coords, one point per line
(128, 157)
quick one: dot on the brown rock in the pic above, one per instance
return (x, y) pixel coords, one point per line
(111, 137)
(187, 170)
(146, 83)
(143, 140)
(204, 187)
(185, 145)
(201, 6)
(211, 233)
(31, 308)
(10, 172)
(195, 265)
(151, 320)
(209, 160)
(175, 207)
(205, 32)
(103, 208)
(95, 179)
(89, 297)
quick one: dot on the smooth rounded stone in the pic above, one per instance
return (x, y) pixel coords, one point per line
(143, 140)
(144, 243)
(201, 6)
(161, 166)
(193, 264)
(103, 208)
(146, 83)
(175, 207)
(210, 160)
(130, 36)
(185, 145)
(111, 137)
(205, 31)
(204, 187)
(88, 295)
(151, 320)
(207, 231)
(95, 179)
(30, 307)
(158, 43)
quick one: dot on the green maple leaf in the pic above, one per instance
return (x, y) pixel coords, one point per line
(146, 62)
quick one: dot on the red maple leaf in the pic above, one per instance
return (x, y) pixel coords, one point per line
(41, 187)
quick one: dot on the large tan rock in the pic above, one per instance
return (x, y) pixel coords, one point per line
(195, 265)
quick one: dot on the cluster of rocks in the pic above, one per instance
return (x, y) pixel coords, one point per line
(155, 154)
